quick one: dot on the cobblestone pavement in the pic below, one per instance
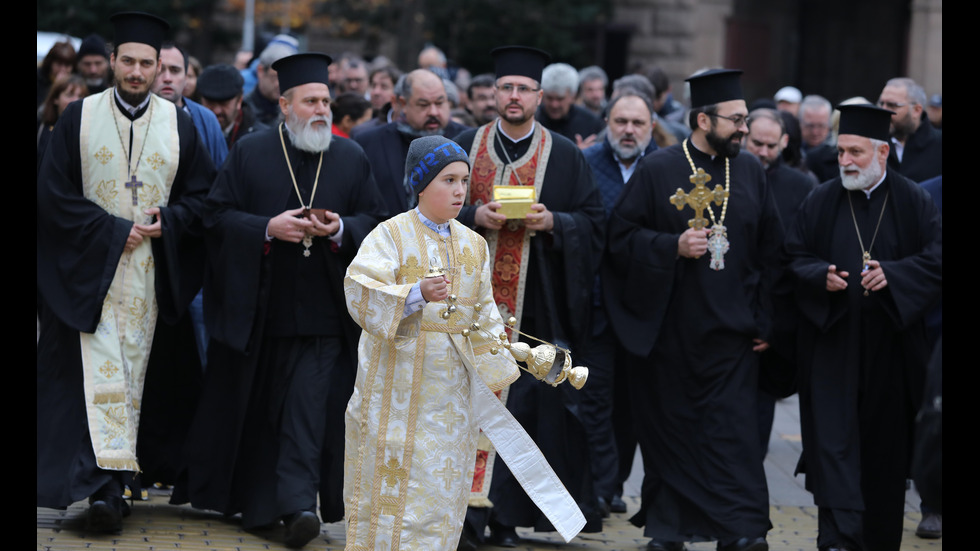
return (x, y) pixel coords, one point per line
(155, 525)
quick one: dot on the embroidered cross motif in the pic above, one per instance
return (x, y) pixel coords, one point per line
(155, 161)
(448, 473)
(103, 155)
(449, 417)
(392, 472)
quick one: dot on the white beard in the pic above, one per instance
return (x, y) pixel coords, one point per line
(866, 177)
(307, 137)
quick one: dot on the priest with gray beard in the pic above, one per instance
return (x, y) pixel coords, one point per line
(865, 252)
(286, 216)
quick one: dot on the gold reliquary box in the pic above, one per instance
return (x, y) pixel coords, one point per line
(515, 201)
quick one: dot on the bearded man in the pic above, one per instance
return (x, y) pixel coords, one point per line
(286, 216)
(698, 322)
(865, 251)
(629, 128)
(916, 146)
(119, 198)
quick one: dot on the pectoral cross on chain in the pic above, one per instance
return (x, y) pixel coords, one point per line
(699, 198)
(133, 184)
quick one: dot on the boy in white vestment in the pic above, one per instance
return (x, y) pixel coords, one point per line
(425, 373)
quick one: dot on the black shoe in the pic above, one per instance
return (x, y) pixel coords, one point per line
(745, 544)
(617, 505)
(106, 509)
(661, 545)
(467, 539)
(931, 527)
(301, 527)
(604, 508)
(504, 536)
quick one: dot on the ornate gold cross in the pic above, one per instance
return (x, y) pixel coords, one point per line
(699, 198)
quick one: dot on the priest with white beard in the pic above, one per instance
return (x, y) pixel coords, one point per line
(286, 216)
(865, 253)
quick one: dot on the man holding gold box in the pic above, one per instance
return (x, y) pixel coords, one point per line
(533, 198)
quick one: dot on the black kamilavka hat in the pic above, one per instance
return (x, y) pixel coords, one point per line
(303, 69)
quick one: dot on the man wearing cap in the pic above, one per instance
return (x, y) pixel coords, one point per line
(691, 247)
(220, 87)
(119, 194)
(92, 62)
(286, 215)
(788, 99)
(866, 254)
(543, 267)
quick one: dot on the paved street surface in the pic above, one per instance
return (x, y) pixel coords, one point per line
(155, 525)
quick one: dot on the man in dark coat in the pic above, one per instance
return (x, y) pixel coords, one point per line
(119, 199)
(866, 254)
(916, 146)
(699, 322)
(605, 400)
(767, 138)
(558, 111)
(220, 88)
(287, 213)
(425, 110)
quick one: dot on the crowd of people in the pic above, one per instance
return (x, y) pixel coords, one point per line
(281, 286)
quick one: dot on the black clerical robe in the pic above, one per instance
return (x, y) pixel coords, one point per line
(79, 246)
(557, 305)
(282, 358)
(777, 375)
(862, 358)
(694, 396)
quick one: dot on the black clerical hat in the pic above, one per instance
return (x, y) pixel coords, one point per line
(92, 45)
(864, 119)
(520, 61)
(137, 26)
(715, 86)
(303, 69)
(220, 83)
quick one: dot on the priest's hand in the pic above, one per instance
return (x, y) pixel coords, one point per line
(320, 229)
(584, 143)
(835, 279)
(133, 240)
(693, 243)
(873, 279)
(289, 226)
(150, 230)
(434, 288)
(759, 345)
(486, 216)
(540, 218)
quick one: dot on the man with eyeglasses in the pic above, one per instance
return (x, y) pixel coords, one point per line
(917, 147)
(544, 261)
(687, 292)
